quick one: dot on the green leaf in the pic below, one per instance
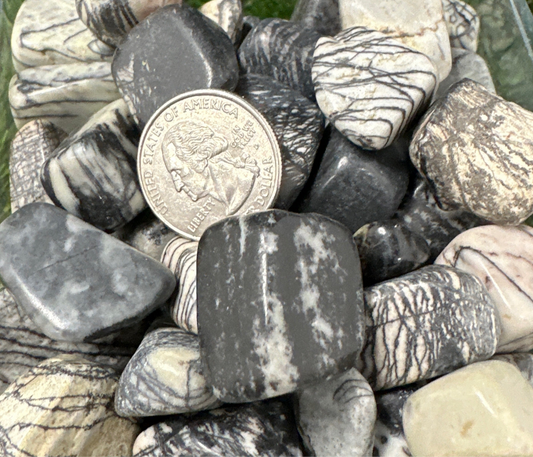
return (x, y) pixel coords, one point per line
(261, 8)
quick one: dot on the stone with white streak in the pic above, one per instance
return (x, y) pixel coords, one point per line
(279, 303)
(462, 22)
(227, 14)
(370, 85)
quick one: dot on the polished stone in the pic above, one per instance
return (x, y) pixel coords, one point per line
(462, 22)
(227, 14)
(521, 360)
(320, 15)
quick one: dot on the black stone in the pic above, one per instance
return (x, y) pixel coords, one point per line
(320, 15)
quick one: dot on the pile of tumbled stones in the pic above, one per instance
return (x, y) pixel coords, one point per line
(359, 317)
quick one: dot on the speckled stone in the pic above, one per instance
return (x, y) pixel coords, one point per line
(227, 14)
(462, 23)
(455, 320)
(336, 417)
(320, 15)
(254, 345)
(521, 360)
(74, 281)
(64, 406)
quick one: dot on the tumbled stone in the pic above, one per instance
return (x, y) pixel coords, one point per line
(501, 258)
(256, 346)
(180, 256)
(425, 324)
(282, 50)
(111, 20)
(417, 25)
(388, 249)
(175, 50)
(264, 429)
(521, 360)
(462, 23)
(30, 148)
(354, 186)
(370, 85)
(480, 410)
(227, 14)
(297, 123)
(92, 174)
(320, 15)
(74, 281)
(67, 95)
(48, 33)
(64, 406)
(336, 417)
(476, 151)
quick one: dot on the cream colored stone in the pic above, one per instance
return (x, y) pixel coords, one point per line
(484, 409)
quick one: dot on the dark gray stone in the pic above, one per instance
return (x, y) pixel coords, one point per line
(175, 50)
(279, 303)
(320, 15)
(74, 281)
(297, 123)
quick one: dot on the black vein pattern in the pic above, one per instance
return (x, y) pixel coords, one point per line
(227, 14)
(462, 22)
(425, 324)
(476, 151)
(370, 85)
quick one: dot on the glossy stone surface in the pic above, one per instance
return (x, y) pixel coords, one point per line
(354, 186)
(370, 85)
(282, 50)
(480, 410)
(254, 345)
(320, 15)
(93, 175)
(227, 14)
(64, 406)
(462, 23)
(262, 429)
(74, 281)
(483, 145)
(336, 417)
(455, 320)
(297, 123)
(175, 50)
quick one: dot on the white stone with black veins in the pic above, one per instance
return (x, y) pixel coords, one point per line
(227, 14)
(48, 33)
(336, 417)
(370, 85)
(476, 151)
(462, 22)
(67, 95)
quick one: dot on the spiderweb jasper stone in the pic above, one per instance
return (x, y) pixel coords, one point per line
(370, 86)
(425, 324)
(462, 22)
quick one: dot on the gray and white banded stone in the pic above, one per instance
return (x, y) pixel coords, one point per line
(297, 123)
(462, 23)
(164, 377)
(74, 281)
(521, 360)
(425, 324)
(370, 85)
(64, 406)
(282, 50)
(337, 417)
(501, 257)
(67, 95)
(320, 15)
(261, 429)
(49, 33)
(111, 20)
(476, 151)
(30, 148)
(227, 14)
(93, 173)
(180, 256)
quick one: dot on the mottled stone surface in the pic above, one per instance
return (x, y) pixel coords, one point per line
(388, 249)
(254, 344)
(48, 33)
(67, 95)
(180, 256)
(30, 148)
(462, 23)
(64, 406)
(320, 15)
(370, 85)
(93, 174)
(425, 324)
(74, 281)
(354, 186)
(476, 151)
(521, 360)
(263, 429)
(282, 50)
(227, 14)
(336, 417)
(501, 258)
(297, 123)
(480, 410)
(175, 50)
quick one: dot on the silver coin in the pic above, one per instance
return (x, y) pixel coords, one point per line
(207, 155)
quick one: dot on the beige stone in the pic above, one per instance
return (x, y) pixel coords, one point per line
(484, 409)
